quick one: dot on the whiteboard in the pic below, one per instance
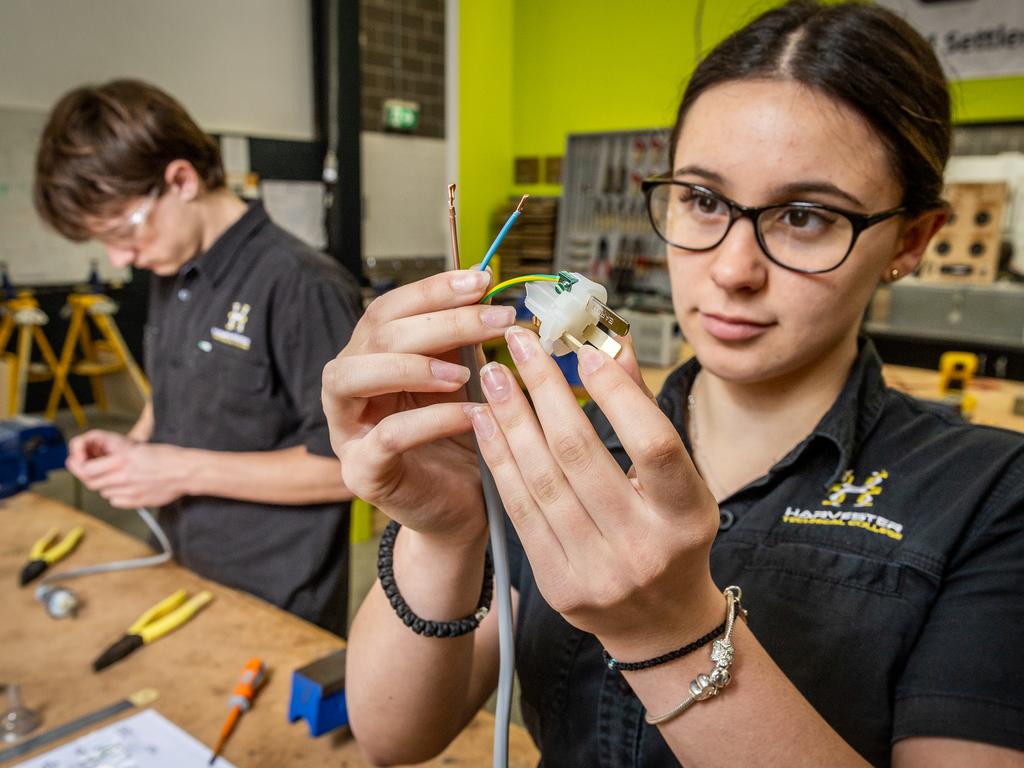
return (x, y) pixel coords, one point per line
(238, 66)
(405, 196)
(34, 254)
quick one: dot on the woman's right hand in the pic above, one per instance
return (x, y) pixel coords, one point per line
(394, 402)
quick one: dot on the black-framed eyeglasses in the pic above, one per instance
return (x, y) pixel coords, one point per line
(803, 237)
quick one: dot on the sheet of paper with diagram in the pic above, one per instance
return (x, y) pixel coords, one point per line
(145, 740)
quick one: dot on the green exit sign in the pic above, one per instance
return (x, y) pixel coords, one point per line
(401, 115)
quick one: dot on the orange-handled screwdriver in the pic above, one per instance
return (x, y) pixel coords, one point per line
(241, 700)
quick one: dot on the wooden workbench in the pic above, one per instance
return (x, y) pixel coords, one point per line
(995, 396)
(193, 668)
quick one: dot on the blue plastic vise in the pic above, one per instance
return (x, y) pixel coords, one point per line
(29, 449)
(318, 694)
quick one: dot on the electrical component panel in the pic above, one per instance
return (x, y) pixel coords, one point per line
(967, 248)
(603, 228)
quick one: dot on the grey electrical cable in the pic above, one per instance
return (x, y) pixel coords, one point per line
(499, 546)
(120, 565)
(502, 581)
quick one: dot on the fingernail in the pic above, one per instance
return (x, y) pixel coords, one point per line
(456, 374)
(589, 358)
(518, 344)
(483, 424)
(498, 317)
(496, 382)
(466, 281)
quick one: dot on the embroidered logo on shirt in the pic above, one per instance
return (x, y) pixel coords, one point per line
(233, 332)
(865, 493)
(866, 520)
(237, 317)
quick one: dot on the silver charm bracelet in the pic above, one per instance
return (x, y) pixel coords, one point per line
(722, 653)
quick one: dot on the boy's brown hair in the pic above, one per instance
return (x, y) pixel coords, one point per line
(105, 144)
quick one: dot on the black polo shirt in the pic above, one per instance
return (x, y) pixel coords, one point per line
(235, 346)
(882, 562)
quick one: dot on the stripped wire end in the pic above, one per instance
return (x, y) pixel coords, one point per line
(501, 235)
(453, 228)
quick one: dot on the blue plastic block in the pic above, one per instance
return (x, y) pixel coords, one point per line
(318, 694)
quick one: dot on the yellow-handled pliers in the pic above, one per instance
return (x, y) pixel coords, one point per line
(48, 551)
(165, 616)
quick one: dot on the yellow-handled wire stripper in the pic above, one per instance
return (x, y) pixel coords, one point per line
(164, 617)
(48, 551)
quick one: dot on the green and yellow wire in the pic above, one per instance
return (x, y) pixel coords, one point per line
(519, 281)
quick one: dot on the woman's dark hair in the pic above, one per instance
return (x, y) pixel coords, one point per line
(860, 54)
(105, 144)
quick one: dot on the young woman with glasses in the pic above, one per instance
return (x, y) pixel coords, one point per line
(877, 543)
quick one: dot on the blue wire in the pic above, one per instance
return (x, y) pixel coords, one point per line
(497, 241)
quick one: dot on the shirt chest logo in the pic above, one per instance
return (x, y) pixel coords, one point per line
(848, 493)
(238, 316)
(233, 332)
(864, 493)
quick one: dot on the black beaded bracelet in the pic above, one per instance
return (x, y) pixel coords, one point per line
(678, 653)
(457, 628)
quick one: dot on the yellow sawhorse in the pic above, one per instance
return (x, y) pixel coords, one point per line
(100, 309)
(23, 312)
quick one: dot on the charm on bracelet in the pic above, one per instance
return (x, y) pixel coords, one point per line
(705, 686)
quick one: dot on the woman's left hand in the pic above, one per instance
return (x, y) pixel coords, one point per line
(622, 556)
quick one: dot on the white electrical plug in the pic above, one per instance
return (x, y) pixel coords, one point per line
(571, 313)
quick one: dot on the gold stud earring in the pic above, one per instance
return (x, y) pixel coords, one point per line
(894, 273)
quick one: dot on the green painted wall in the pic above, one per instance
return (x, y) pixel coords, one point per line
(485, 119)
(981, 101)
(533, 71)
(606, 65)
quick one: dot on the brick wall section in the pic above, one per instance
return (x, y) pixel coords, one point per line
(409, 34)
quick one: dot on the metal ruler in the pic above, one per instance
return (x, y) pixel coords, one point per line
(137, 699)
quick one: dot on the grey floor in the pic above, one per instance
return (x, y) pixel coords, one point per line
(64, 487)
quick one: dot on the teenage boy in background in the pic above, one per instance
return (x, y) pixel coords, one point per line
(233, 446)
